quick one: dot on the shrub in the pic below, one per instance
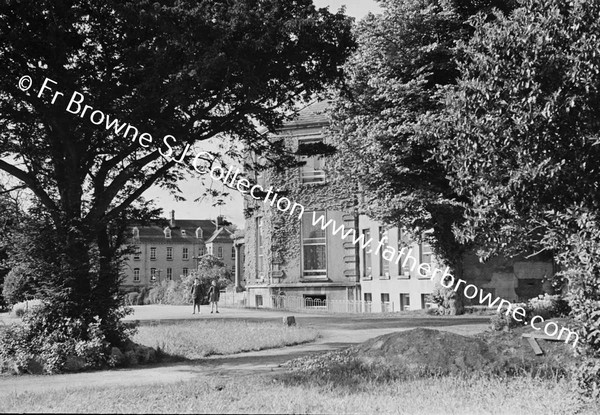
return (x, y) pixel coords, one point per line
(549, 306)
(501, 319)
(498, 322)
(19, 284)
(20, 309)
(587, 378)
(132, 298)
(56, 344)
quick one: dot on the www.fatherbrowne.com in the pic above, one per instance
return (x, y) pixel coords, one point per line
(447, 280)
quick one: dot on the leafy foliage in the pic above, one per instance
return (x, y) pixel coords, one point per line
(405, 55)
(519, 135)
(194, 70)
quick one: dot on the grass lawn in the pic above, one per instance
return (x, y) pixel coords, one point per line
(197, 339)
(251, 394)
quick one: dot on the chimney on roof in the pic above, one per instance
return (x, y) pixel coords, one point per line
(172, 221)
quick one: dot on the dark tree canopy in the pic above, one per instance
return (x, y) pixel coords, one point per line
(191, 69)
(519, 136)
(404, 57)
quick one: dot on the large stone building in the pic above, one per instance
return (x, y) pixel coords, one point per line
(171, 249)
(287, 254)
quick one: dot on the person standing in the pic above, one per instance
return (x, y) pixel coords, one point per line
(196, 294)
(213, 296)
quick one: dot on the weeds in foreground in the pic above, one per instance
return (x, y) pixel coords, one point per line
(263, 394)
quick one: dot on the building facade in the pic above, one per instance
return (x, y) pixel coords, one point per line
(169, 250)
(288, 255)
(285, 253)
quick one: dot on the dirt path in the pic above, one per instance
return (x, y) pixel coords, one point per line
(336, 332)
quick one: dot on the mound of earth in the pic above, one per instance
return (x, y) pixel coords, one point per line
(427, 350)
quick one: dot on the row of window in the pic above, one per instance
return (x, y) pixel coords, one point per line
(168, 233)
(314, 251)
(184, 254)
(406, 262)
(155, 273)
(404, 301)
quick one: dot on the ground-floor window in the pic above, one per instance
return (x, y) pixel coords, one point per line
(314, 247)
(425, 301)
(259, 300)
(315, 300)
(385, 302)
(404, 302)
(136, 275)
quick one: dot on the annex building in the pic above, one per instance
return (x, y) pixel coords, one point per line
(171, 248)
(288, 257)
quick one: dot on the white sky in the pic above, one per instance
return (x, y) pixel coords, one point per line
(233, 208)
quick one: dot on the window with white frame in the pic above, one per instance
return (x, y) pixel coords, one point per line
(260, 257)
(136, 233)
(185, 272)
(169, 274)
(169, 253)
(425, 256)
(220, 252)
(233, 253)
(185, 254)
(137, 252)
(366, 256)
(314, 247)
(312, 171)
(384, 265)
(152, 274)
(167, 232)
(136, 275)
(183, 233)
(153, 253)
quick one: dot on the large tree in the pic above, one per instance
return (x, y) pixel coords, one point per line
(520, 138)
(404, 56)
(194, 70)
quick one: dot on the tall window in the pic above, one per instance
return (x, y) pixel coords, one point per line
(403, 251)
(210, 250)
(233, 253)
(185, 254)
(169, 253)
(201, 251)
(185, 272)
(183, 233)
(169, 274)
(260, 257)
(314, 247)
(152, 253)
(152, 274)
(384, 266)
(366, 255)
(137, 253)
(425, 253)
(167, 232)
(136, 275)
(220, 252)
(312, 171)
(404, 302)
